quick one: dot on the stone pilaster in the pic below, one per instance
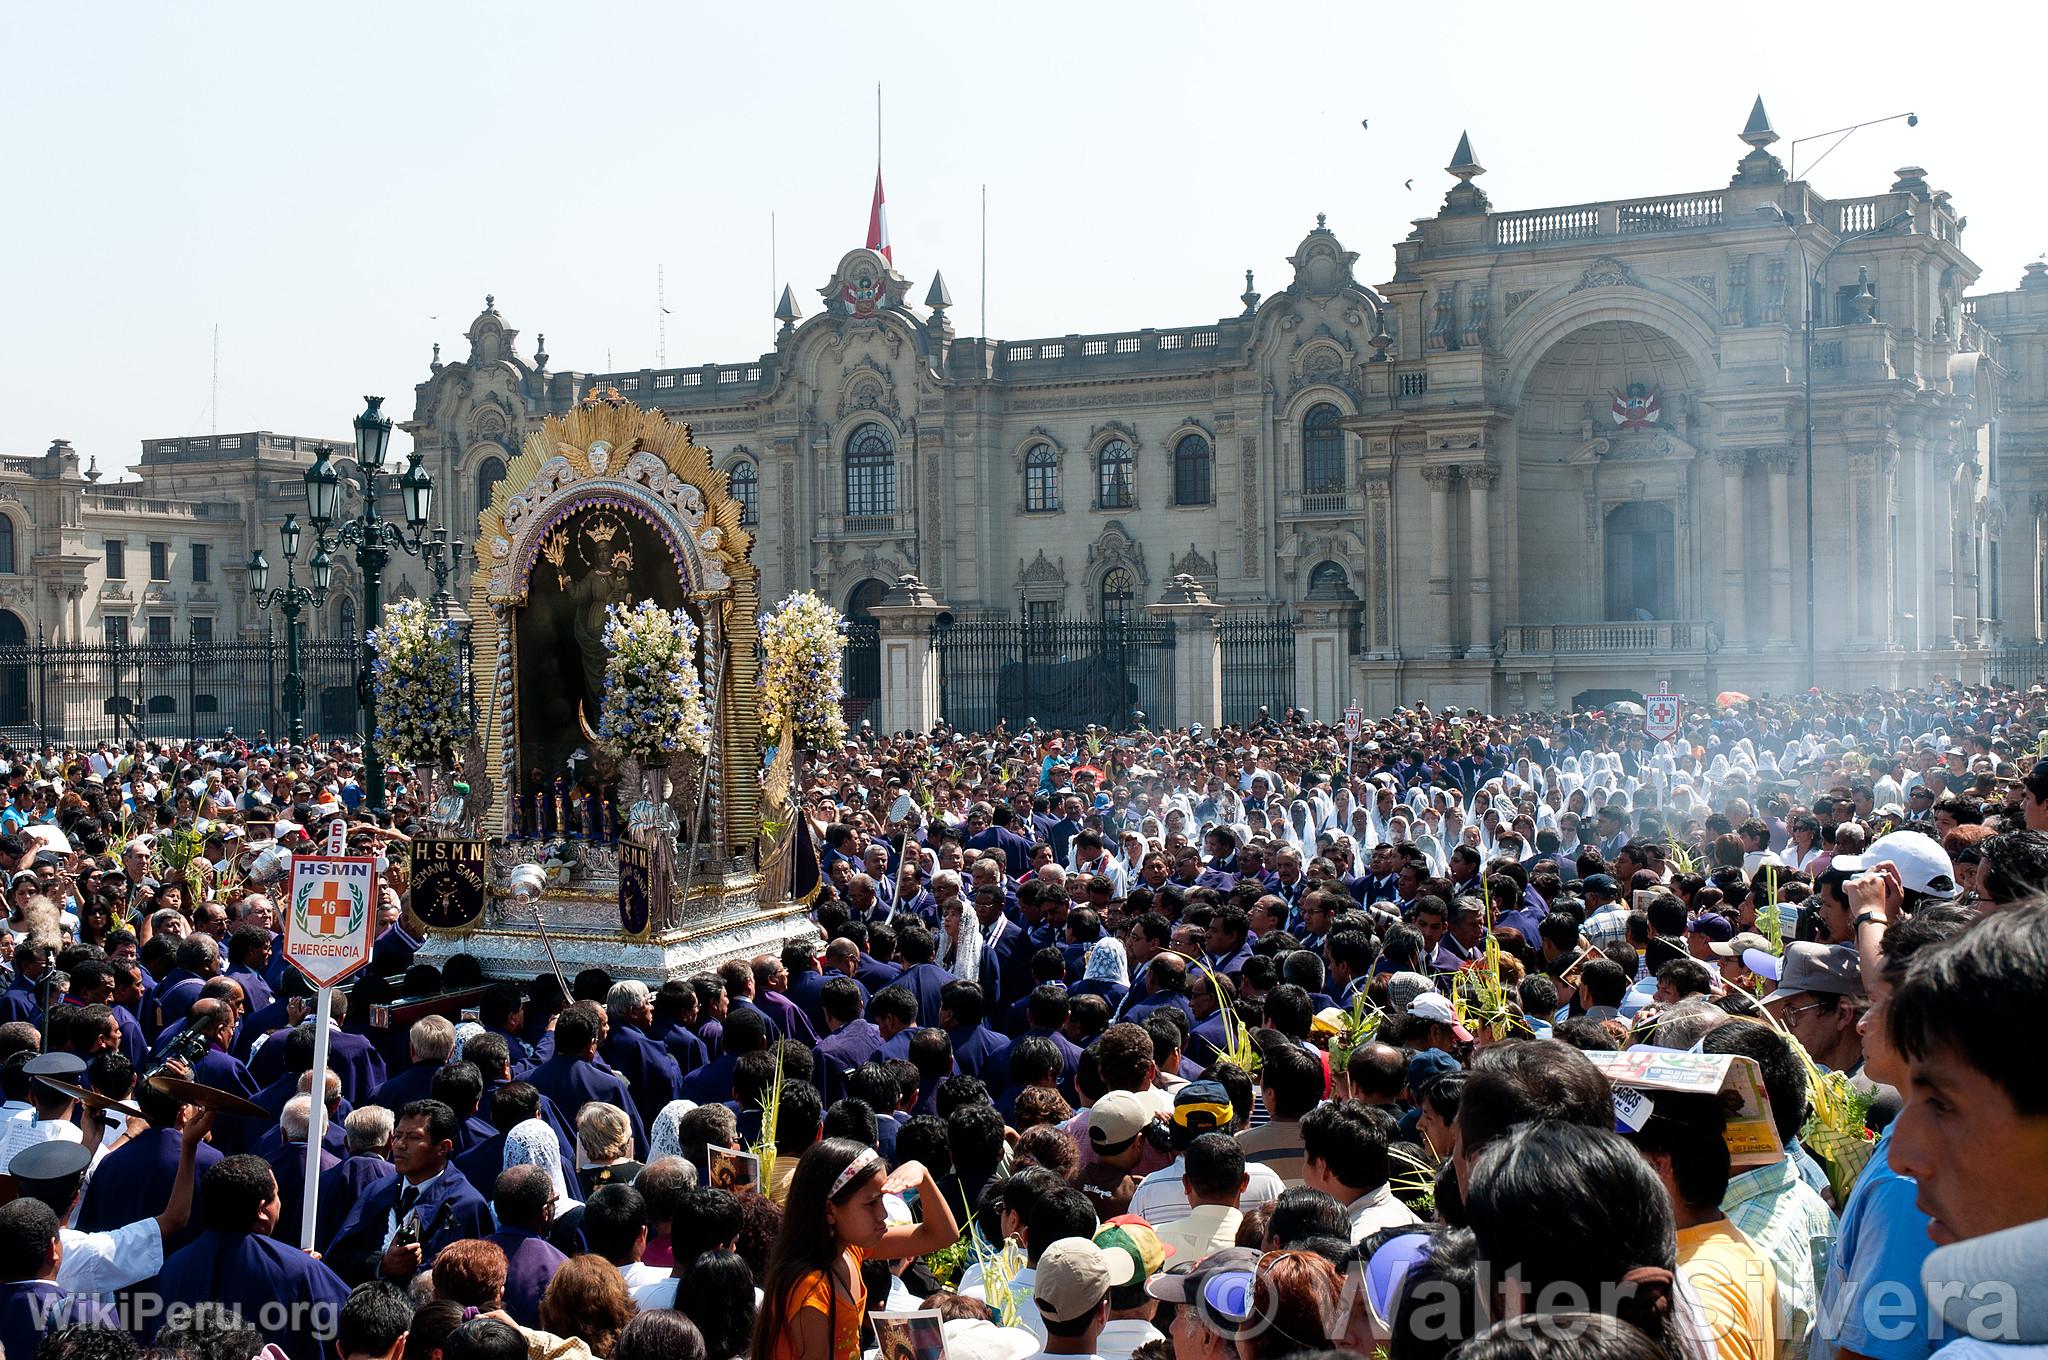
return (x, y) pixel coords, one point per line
(1197, 651)
(910, 661)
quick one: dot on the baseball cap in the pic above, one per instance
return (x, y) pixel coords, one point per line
(1183, 1283)
(1426, 1066)
(1601, 883)
(1202, 1107)
(1732, 947)
(1115, 1120)
(1762, 962)
(1435, 1006)
(1135, 1252)
(1830, 969)
(1924, 867)
(1073, 1278)
(1713, 925)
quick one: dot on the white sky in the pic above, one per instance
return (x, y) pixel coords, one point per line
(338, 186)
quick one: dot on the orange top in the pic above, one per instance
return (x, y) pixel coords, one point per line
(815, 1291)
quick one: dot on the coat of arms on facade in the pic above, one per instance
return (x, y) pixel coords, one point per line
(1638, 408)
(862, 293)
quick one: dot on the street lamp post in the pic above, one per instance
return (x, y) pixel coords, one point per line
(288, 600)
(1811, 277)
(373, 539)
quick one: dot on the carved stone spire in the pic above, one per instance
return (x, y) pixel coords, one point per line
(1465, 198)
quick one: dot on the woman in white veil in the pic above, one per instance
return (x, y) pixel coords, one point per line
(532, 1143)
(960, 941)
(665, 1135)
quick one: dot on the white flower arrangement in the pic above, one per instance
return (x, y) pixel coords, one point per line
(421, 707)
(804, 640)
(653, 690)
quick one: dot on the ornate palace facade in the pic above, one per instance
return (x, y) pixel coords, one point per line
(1550, 452)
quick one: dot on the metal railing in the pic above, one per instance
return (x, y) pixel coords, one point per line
(78, 692)
(1065, 673)
(1258, 666)
(1608, 639)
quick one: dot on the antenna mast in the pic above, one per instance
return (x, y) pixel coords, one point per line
(661, 310)
(214, 422)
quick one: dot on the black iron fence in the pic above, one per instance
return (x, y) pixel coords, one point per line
(861, 664)
(1258, 666)
(2024, 667)
(1065, 673)
(173, 692)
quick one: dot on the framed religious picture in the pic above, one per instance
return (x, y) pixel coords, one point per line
(725, 1169)
(909, 1336)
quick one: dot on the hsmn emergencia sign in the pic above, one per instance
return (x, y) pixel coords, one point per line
(332, 920)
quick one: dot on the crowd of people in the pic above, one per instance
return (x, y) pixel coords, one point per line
(1194, 1045)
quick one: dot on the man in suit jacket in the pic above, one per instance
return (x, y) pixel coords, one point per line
(571, 1077)
(651, 1074)
(1006, 948)
(433, 1043)
(977, 1050)
(368, 1133)
(287, 1161)
(400, 1223)
(852, 1039)
(524, 1197)
(923, 979)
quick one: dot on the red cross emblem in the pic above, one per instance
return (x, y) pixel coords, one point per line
(328, 909)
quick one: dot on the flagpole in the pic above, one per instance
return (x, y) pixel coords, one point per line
(984, 262)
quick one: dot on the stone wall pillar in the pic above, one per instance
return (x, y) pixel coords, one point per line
(1480, 481)
(910, 661)
(1439, 481)
(1197, 651)
(1735, 607)
(1778, 464)
(1324, 625)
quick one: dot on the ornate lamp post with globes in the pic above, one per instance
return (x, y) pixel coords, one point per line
(288, 600)
(373, 538)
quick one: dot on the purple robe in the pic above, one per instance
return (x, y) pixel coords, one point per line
(530, 1262)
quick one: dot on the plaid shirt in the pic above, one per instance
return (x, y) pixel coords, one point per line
(1794, 1228)
(1607, 926)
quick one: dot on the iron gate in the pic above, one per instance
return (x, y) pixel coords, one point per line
(861, 667)
(86, 692)
(1258, 667)
(1064, 673)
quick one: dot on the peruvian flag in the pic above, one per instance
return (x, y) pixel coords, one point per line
(878, 222)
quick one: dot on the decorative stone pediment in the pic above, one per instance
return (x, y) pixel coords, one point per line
(1042, 571)
(862, 288)
(867, 386)
(1193, 563)
(1607, 272)
(1635, 446)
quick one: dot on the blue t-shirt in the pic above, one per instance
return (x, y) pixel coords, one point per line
(1872, 1302)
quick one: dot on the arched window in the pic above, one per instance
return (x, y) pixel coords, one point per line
(7, 545)
(1041, 478)
(1326, 579)
(345, 620)
(746, 489)
(870, 472)
(489, 473)
(1114, 488)
(1191, 467)
(1641, 561)
(1322, 450)
(1119, 593)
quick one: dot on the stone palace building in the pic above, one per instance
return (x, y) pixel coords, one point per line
(1549, 452)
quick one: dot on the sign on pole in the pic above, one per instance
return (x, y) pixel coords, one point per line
(1354, 723)
(329, 930)
(1660, 714)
